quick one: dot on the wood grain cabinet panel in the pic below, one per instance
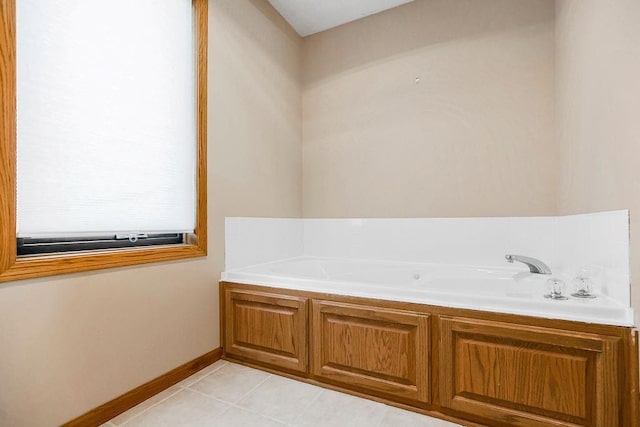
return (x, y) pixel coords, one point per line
(267, 328)
(526, 375)
(384, 351)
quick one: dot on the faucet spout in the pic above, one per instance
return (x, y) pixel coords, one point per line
(535, 265)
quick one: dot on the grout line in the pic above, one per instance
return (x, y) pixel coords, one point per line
(322, 390)
(242, 408)
(205, 375)
(146, 410)
(209, 396)
(311, 402)
(224, 402)
(252, 389)
(237, 406)
(179, 389)
(252, 411)
(228, 402)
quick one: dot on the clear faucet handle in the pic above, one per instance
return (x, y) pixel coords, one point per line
(555, 289)
(583, 287)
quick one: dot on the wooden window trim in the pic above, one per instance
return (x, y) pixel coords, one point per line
(14, 268)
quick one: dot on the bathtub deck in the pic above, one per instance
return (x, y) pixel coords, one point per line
(510, 290)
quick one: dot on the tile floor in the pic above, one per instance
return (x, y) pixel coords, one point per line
(227, 394)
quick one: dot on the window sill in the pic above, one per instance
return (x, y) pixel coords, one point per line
(50, 265)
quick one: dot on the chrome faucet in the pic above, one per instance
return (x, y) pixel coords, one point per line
(535, 265)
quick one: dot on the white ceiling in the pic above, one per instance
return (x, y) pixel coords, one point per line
(312, 16)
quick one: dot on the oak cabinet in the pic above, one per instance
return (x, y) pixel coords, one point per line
(266, 327)
(527, 375)
(471, 366)
(381, 350)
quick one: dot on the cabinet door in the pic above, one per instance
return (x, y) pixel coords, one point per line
(267, 328)
(528, 376)
(381, 350)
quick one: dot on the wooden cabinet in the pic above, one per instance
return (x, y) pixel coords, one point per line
(489, 368)
(266, 327)
(527, 375)
(381, 350)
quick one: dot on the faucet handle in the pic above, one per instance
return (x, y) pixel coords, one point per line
(555, 289)
(583, 287)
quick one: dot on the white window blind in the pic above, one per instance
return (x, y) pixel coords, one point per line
(105, 117)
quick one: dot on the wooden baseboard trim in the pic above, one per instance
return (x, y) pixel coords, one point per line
(115, 407)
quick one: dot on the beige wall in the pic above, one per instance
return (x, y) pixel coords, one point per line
(474, 137)
(598, 103)
(71, 343)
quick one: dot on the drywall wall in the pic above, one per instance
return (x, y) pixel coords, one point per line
(70, 343)
(598, 103)
(434, 108)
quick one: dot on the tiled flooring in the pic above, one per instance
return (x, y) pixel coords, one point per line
(227, 394)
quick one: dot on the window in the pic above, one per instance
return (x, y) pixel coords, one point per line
(59, 226)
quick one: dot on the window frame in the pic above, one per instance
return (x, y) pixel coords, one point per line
(13, 267)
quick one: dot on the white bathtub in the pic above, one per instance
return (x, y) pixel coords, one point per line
(503, 290)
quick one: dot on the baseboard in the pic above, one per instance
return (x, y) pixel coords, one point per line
(109, 410)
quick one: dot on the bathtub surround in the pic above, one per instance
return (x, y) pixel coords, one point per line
(478, 343)
(251, 241)
(462, 241)
(598, 241)
(597, 245)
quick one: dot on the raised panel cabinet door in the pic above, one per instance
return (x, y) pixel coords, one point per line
(381, 350)
(267, 328)
(526, 375)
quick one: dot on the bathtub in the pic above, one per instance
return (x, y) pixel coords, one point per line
(497, 289)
